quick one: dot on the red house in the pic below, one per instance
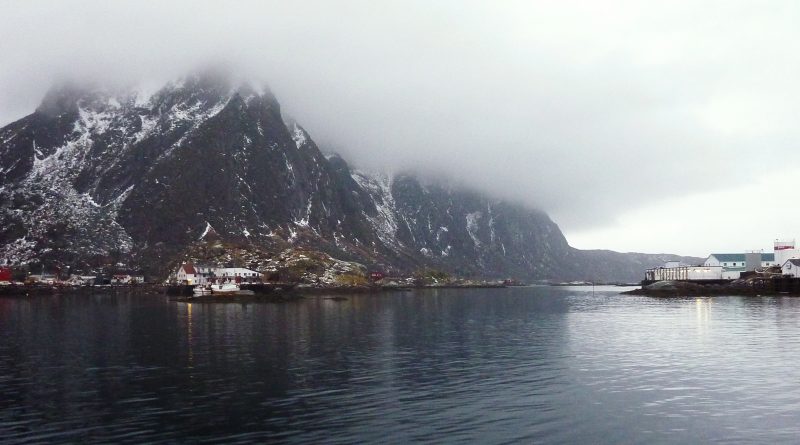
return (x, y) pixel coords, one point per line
(5, 274)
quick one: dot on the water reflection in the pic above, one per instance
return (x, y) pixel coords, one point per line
(503, 365)
(703, 306)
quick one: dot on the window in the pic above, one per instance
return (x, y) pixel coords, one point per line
(724, 264)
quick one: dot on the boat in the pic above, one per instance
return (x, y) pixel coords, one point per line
(217, 289)
(202, 290)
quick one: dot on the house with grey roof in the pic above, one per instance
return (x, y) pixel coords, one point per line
(791, 267)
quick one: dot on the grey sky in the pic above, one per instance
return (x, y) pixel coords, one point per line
(647, 126)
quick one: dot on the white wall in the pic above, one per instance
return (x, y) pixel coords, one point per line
(686, 273)
(731, 274)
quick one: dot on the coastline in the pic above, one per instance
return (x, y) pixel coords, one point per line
(754, 287)
(266, 292)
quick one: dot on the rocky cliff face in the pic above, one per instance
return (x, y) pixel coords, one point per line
(96, 175)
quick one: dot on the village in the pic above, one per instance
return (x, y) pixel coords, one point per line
(753, 271)
(731, 266)
(187, 274)
(62, 277)
(296, 270)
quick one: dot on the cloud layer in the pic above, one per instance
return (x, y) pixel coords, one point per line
(593, 111)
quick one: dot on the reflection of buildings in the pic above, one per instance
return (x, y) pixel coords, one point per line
(703, 307)
(189, 332)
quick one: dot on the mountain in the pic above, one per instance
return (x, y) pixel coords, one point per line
(98, 175)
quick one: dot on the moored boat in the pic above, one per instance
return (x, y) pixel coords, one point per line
(224, 289)
(216, 289)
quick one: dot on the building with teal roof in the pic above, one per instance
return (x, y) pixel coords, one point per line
(734, 264)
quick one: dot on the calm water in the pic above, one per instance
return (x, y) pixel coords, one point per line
(545, 365)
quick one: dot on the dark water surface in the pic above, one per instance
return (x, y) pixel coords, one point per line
(544, 365)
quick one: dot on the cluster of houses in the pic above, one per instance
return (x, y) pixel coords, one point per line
(194, 274)
(187, 273)
(66, 279)
(785, 260)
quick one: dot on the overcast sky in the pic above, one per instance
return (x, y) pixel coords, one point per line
(638, 126)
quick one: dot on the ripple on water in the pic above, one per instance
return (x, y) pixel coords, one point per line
(492, 366)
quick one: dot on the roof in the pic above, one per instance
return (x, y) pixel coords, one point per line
(795, 261)
(740, 256)
(188, 268)
(235, 270)
(728, 256)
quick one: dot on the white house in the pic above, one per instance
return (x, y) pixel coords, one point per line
(733, 264)
(80, 280)
(791, 267)
(188, 273)
(127, 278)
(237, 274)
(205, 274)
(192, 274)
(44, 278)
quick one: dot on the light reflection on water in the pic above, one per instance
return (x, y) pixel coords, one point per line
(542, 364)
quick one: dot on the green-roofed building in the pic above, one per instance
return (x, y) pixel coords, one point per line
(734, 264)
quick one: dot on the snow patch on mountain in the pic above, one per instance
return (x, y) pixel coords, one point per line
(148, 125)
(195, 116)
(207, 229)
(298, 136)
(385, 222)
(472, 227)
(304, 221)
(96, 122)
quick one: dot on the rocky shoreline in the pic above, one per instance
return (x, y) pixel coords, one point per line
(749, 287)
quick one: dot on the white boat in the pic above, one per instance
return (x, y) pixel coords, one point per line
(202, 290)
(226, 288)
(217, 289)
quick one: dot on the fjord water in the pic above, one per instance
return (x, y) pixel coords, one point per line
(537, 364)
